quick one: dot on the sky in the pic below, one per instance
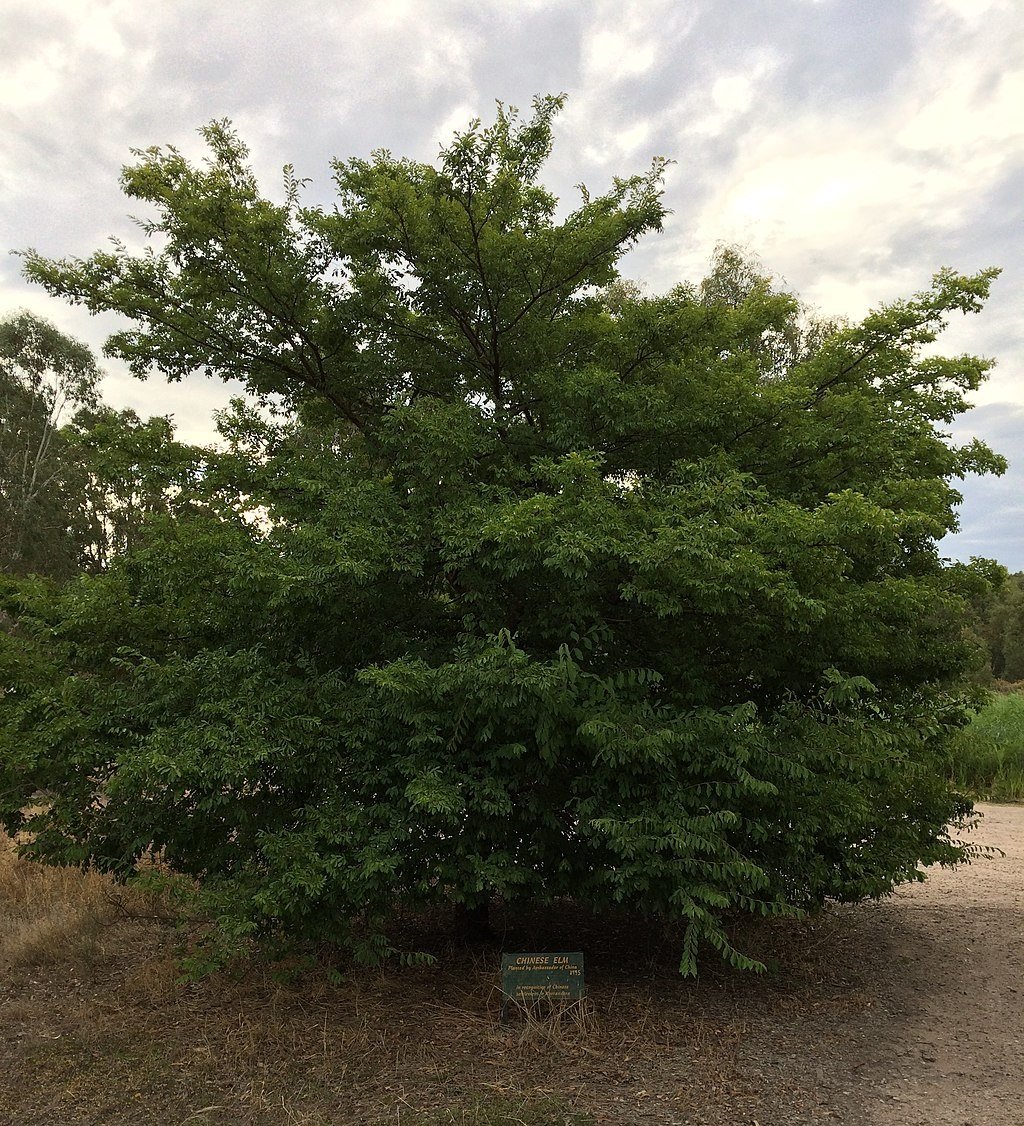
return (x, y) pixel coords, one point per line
(855, 147)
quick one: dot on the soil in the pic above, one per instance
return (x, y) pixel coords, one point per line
(939, 1036)
(901, 1013)
(947, 1048)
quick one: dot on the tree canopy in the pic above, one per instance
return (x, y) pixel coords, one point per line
(525, 584)
(76, 476)
(1000, 628)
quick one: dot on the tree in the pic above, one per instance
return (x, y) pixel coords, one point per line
(45, 378)
(533, 586)
(77, 478)
(134, 469)
(1000, 626)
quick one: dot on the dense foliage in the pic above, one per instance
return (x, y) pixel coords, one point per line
(529, 586)
(1000, 628)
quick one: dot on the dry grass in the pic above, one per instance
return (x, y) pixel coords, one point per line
(99, 1024)
(49, 914)
(59, 914)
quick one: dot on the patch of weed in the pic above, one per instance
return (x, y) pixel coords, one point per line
(987, 758)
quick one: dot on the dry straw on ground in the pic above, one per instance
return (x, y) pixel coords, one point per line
(48, 914)
(98, 1026)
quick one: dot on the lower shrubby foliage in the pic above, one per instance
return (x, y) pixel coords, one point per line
(534, 586)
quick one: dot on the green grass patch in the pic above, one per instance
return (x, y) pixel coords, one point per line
(987, 758)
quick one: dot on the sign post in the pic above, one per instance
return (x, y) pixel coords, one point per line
(527, 979)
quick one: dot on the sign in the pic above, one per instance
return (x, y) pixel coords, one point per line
(527, 979)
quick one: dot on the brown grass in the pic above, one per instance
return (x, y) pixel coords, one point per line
(49, 914)
(100, 1027)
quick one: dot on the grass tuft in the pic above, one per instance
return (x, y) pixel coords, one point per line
(54, 914)
(556, 1027)
(49, 914)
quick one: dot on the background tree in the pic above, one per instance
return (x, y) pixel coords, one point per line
(77, 478)
(1000, 618)
(45, 378)
(535, 586)
(134, 469)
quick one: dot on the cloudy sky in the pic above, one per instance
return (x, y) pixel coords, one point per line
(854, 146)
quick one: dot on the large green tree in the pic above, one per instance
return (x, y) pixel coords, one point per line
(530, 586)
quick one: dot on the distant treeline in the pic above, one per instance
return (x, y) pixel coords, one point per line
(999, 625)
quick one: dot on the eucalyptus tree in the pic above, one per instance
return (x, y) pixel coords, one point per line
(45, 379)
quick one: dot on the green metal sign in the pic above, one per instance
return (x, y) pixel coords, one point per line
(527, 979)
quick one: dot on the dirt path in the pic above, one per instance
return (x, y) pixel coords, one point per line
(908, 1012)
(949, 1042)
(918, 1019)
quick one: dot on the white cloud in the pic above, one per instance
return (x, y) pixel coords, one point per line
(34, 81)
(974, 11)
(825, 194)
(616, 54)
(854, 148)
(720, 106)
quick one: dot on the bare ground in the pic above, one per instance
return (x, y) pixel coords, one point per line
(948, 1048)
(895, 1014)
